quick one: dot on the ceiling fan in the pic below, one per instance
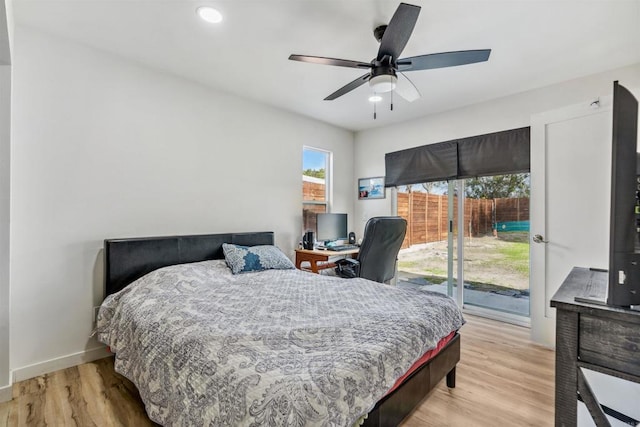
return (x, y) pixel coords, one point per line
(384, 69)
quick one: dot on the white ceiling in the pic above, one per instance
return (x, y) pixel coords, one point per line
(534, 43)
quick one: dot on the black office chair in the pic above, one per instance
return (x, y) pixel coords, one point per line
(378, 254)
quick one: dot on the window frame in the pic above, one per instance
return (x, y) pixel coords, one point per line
(328, 175)
(328, 187)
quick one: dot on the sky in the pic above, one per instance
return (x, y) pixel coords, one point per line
(312, 159)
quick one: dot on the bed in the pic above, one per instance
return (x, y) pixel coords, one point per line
(210, 347)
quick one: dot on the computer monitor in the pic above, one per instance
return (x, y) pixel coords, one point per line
(331, 227)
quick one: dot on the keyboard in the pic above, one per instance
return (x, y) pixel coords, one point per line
(338, 248)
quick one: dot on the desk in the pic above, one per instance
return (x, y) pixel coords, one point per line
(596, 337)
(316, 255)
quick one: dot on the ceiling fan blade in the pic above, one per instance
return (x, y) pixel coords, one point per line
(406, 88)
(444, 59)
(398, 31)
(330, 61)
(348, 87)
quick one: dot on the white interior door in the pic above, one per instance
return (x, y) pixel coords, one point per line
(570, 202)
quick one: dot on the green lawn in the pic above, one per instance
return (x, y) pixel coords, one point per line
(516, 256)
(502, 262)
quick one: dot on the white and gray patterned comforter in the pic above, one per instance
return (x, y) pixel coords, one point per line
(277, 348)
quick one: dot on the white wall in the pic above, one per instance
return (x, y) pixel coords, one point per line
(6, 33)
(8, 4)
(5, 115)
(103, 148)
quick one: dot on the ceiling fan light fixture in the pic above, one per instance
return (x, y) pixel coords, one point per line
(209, 14)
(375, 98)
(383, 83)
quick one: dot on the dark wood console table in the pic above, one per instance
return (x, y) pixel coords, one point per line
(592, 336)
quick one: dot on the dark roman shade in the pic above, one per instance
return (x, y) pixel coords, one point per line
(495, 153)
(498, 153)
(421, 164)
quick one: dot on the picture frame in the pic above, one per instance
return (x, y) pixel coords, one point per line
(371, 188)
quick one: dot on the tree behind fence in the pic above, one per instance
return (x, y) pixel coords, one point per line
(426, 215)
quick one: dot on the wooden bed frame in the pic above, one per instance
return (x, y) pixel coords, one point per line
(129, 259)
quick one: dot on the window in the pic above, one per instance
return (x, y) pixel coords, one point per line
(316, 175)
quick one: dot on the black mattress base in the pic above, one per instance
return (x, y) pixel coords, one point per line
(394, 407)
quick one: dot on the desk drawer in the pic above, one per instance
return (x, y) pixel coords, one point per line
(610, 343)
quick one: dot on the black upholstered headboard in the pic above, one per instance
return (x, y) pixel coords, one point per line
(126, 260)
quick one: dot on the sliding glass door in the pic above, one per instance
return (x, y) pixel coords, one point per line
(473, 231)
(426, 258)
(495, 255)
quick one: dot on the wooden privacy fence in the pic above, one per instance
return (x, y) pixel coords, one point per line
(426, 215)
(313, 191)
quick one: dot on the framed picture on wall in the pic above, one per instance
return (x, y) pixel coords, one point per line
(371, 188)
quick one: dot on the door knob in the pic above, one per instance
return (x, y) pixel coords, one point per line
(539, 239)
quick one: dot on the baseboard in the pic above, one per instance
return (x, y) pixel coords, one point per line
(64, 362)
(6, 393)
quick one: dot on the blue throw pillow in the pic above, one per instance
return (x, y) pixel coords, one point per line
(243, 259)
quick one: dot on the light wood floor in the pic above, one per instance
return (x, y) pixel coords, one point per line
(502, 380)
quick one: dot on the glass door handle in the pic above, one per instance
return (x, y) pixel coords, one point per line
(539, 239)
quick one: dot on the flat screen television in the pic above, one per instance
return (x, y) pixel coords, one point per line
(624, 241)
(331, 227)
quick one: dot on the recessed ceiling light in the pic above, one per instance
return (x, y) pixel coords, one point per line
(375, 98)
(209, 14)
